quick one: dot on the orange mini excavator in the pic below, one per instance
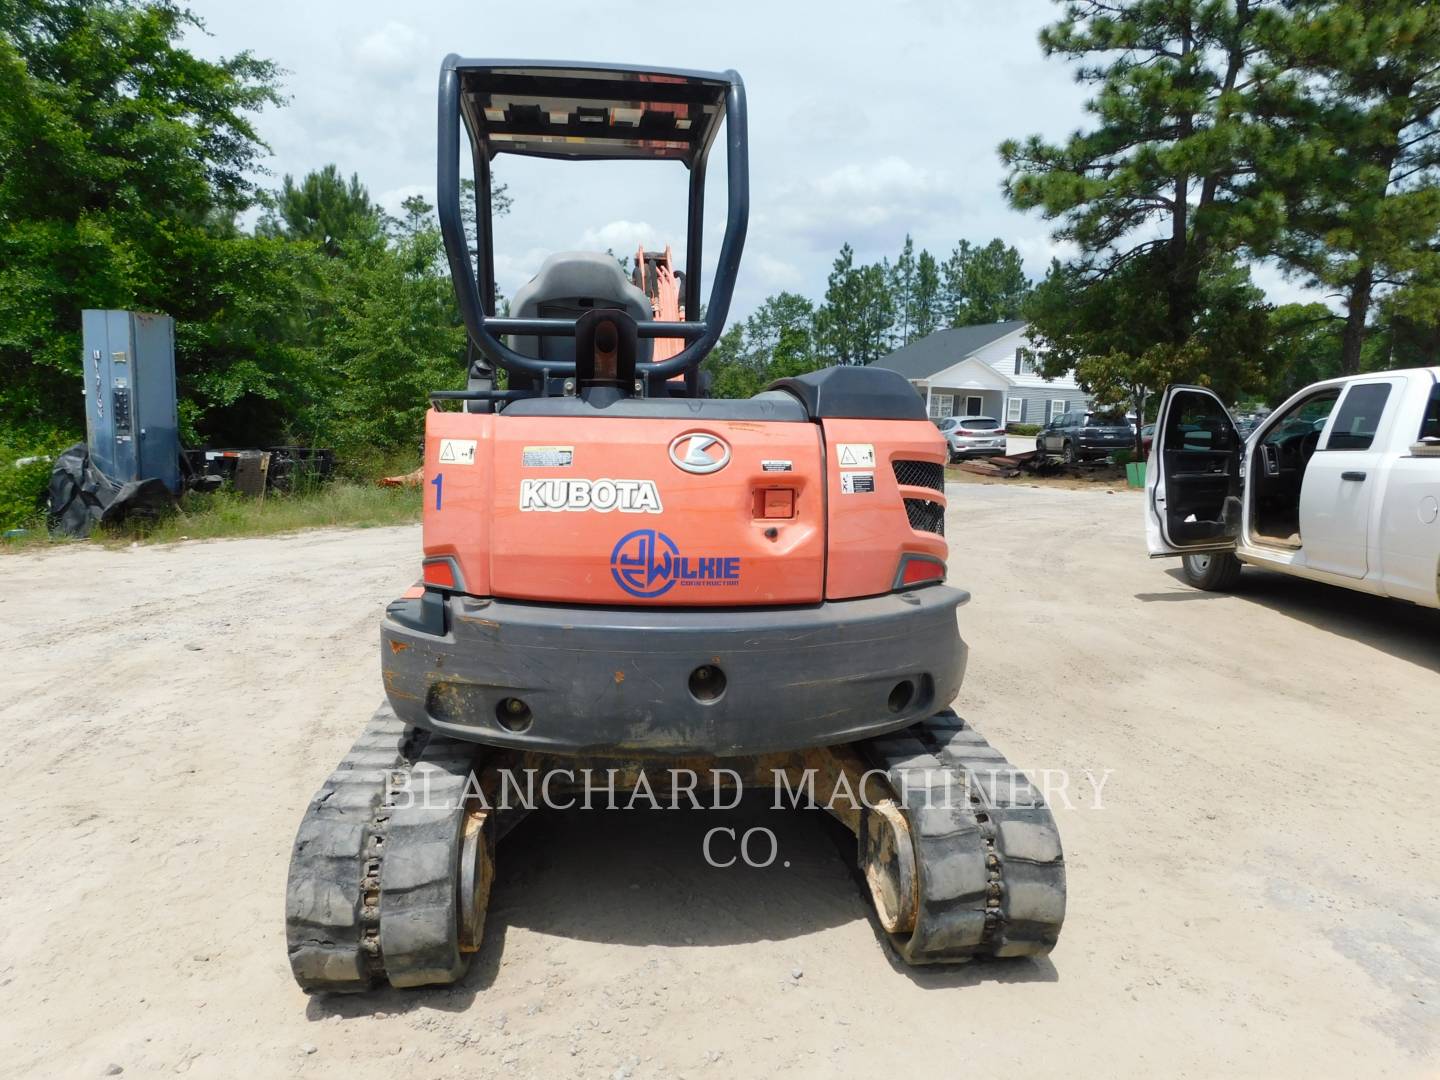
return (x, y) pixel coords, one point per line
(622, 574)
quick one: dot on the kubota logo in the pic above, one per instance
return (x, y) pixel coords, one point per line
(699, 452)
(647, 563)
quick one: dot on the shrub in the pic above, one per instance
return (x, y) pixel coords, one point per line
(1022, 429)
(25, 488)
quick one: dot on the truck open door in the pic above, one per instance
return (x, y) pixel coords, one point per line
(1194, 481)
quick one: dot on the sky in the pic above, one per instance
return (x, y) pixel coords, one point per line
(867, 121)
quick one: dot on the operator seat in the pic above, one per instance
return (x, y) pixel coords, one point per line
(568, 284)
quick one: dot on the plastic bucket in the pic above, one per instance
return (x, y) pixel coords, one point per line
(1135, 473)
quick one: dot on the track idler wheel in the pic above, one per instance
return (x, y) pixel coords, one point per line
(887, 859)
(477, 875)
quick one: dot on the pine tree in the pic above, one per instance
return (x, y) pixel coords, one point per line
(326, 209)
(929, 314)
(1351, 93)
(902, 291)
(1153, 183)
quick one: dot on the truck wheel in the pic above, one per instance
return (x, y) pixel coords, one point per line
(1071, 457)
(1217, 571)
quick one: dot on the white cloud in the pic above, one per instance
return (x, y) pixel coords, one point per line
(887, 179)
(393, 49)
(775, 273)
(624, 237)
(390, 201)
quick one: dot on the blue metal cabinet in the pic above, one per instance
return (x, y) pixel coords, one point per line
(130, 417)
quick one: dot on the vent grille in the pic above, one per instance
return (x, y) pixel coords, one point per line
(928, 474)
(925, 516)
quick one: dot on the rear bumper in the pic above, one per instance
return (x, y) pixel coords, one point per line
(989, 446)
(618, 680)
(1099, 448)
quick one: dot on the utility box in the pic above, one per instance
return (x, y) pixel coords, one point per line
(131, 422)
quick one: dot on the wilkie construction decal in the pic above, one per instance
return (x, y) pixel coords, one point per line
(647, 563)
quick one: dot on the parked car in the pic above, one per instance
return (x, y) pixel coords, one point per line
(1341, 484)
(1147, 437)
(969, 435)
(1085, 435)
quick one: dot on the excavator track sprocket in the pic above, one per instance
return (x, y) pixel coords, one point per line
(965, 862)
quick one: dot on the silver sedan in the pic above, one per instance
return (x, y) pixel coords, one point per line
(977, 435)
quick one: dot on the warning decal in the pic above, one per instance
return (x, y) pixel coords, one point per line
(457, 451)
(547, 456)
(855, 455)
(857, 483)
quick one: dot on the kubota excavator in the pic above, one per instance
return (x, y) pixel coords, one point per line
(622, 574)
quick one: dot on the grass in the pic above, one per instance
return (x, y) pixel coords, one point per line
(224, 514)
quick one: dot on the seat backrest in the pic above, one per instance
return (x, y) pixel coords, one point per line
(568, 284)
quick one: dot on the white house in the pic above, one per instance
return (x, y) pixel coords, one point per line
(984, 371)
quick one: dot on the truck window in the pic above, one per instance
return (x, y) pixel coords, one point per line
(1430, 425)
(1200, 423)
(1358, 417)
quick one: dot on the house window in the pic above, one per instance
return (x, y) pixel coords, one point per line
(974, 406)
(1024, 361)
(1058, 407)
(1015, 410)
(941, 405)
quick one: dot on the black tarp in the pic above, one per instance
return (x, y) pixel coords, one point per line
(81, 496)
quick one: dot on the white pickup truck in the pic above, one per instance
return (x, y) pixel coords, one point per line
(1340, 484)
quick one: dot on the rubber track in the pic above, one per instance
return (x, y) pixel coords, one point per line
(988, 859)
(343, 930)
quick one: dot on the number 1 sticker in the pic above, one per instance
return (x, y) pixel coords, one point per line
(439, 483)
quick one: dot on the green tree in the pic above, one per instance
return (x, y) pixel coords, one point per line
(903, 280)
(325, 209)
(1153, 183)
(1303, 348)
(123, 159)
(730, 375)
(784, 320)
(929, 314)
(1110, 332)
(1352, 98)
(853, 325)
(838, 322)
(985, 284)
(394, 334)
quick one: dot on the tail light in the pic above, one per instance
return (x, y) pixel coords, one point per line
(441, 572)
(917, 569)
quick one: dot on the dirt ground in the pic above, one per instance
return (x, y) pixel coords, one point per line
(1097, 477)
(1257, 891)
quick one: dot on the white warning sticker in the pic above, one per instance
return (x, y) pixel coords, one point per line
(855, 455)
(776, 465)
(537, 457)
(457, 451)
(857, 483)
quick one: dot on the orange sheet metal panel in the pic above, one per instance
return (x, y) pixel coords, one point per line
(603, 510)
(869, 529)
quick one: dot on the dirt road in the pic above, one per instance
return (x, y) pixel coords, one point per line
(1257, 892)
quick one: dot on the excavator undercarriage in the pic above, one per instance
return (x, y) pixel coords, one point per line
(395, 858)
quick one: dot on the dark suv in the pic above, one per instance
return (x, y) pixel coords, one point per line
(1081, 436)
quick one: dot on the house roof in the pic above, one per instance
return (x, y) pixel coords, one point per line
(945, 348)
(972, 373)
